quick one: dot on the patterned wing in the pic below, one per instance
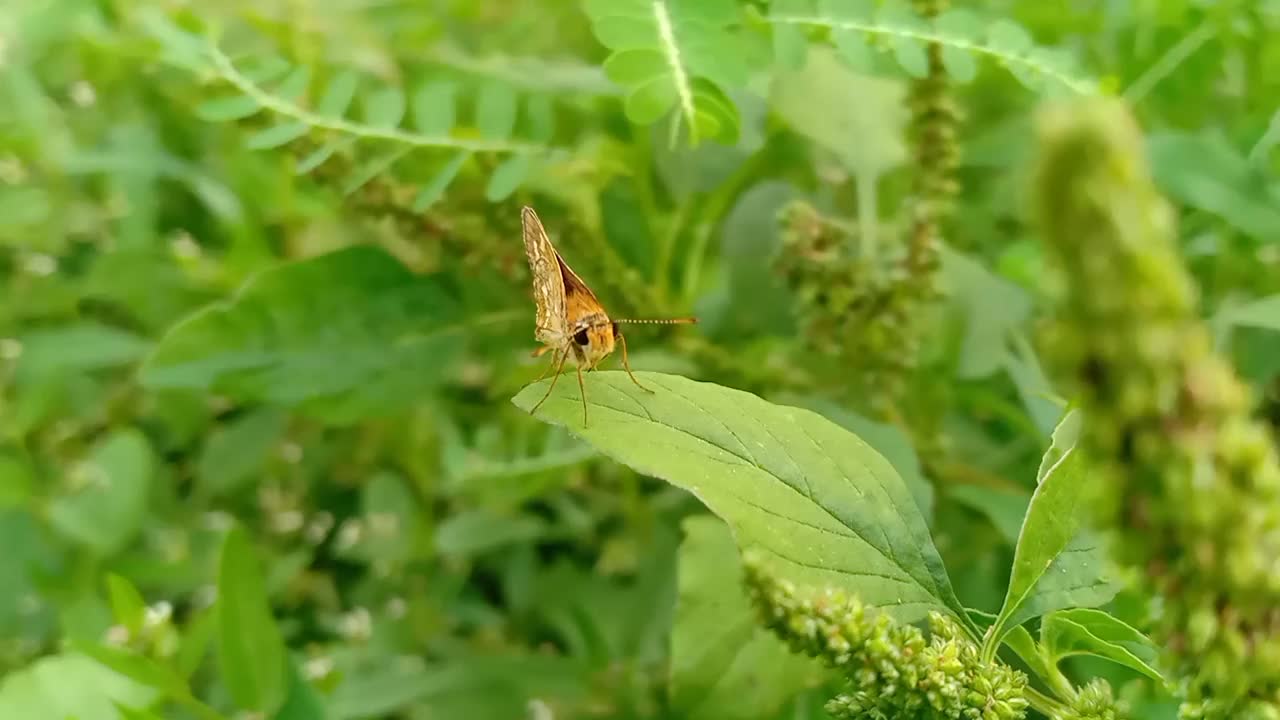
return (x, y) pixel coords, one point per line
(548, 283)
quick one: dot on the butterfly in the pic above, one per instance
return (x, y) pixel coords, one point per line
(569, 319)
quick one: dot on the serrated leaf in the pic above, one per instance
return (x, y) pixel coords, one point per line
(127, 605)
(434, 190)
(233, 107)
(507, 177)
(718, 647)
(276, 135)
(1083, 631)
(496, 109)
(434, 111)
(338, 95)
(825, 506)
(107, 511)
(251, 650)
(1055, 564)
(384, 107)
(377, 338)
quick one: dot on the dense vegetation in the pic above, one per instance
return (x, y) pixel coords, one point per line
(980, 418)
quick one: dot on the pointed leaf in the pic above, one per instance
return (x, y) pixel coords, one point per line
(276, 135)
(434, 190)
(251, 651)
(294, 87)
(817, 499)
(541, 118)
(138, 668)
(108, 511)
(433, 108)
(718, 646)
(496, 111)
(1092, 632)
(127, 606)
(234, 107)
(372, 169)
(317, 157)
(1055, 564)
(507, 177)
(338, 95)
(384, 107)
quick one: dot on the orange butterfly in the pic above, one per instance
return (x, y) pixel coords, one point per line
(569, 318)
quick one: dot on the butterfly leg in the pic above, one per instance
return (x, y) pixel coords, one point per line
(582, 390)
(554, 378)
(626, 364)
(550, 365)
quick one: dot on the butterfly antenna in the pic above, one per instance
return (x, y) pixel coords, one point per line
(658, 321)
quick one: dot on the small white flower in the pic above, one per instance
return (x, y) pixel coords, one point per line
(356, 625)
(539, 710)
(396, 608)
(116, 635)
(184, 247)
(287, 521)
(83, 94)
(157, 614)
(40, 264)
(317, 667)
(291, 452)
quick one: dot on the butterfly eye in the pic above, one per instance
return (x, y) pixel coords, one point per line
(581, 338)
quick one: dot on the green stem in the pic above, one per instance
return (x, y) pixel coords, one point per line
(1045, 705)
(713, 213)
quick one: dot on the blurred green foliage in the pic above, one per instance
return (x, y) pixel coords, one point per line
(263, 308)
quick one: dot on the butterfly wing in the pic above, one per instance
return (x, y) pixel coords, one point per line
(548, 281)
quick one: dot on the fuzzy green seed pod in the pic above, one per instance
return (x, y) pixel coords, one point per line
(1186, 480)
(891, 669)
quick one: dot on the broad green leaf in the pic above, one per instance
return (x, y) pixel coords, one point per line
(77, 347)
(718, 646)
(862, 119)
(1055, 565)
(276, 135)
(433, 108)
(1024, 646)
(636, 67)
(236, 452)
(384, 107)
(476, 531)
(1034, 388)
(391, 516)
(107, 508)
(496, 109)
(338, 95)
(1004, 508)
(303, 701)
(434, 189)
(650, 100)
(234, 107)
(507, 177)
(251, 650)
(197, 634)
(69, 685)
(376, 338)
(127, 606)
(992, 308)
(817, 499)
(1082, 631)
(1261, 313)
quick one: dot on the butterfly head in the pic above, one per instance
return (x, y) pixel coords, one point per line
(594, 341)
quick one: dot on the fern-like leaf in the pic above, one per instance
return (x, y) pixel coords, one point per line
(675, 53)
(858, 28)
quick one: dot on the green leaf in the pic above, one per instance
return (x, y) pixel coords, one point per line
(963, 28)
(1083, 631)
(237, 452)
(907, 50)
(303, 701)
(375, 339)
(138, 668)
(477, 531)
(718, 647)
(384, 107)
(1055, 564)
(276, 135)
(338, 95)
(1024, 646)
(496, 109)
(197, 634)
(372, 169)
(251, 650)
(819, 500)
(127, 606)
(862, 119)
(1208, 173)
(294, 87)
(1262, 313)
(320, 155)
(507, 177)
(434, 189)
(434, 109)
(992, 308)
(234, 107)
(78, 347)
(1004, 508)
(106, 512)
(541, 118)
(68, 685)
